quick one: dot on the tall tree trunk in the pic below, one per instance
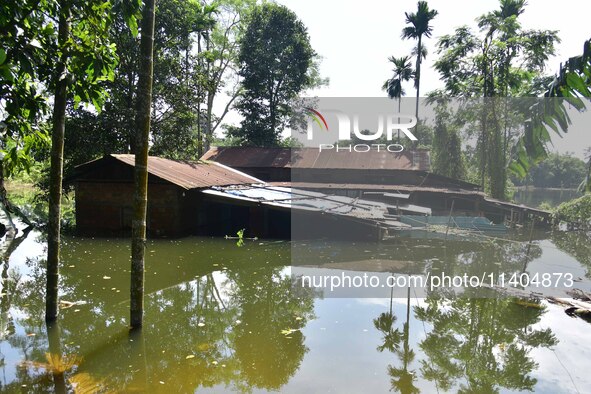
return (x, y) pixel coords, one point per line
(418, 76)
(210, 96)
(199, 137)
(399, 109)
(496, 164)
(56, 171)
(143, 114)
(407, 330)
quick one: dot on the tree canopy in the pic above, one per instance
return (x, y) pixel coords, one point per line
(276, 61)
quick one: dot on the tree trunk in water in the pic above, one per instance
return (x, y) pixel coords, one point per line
(56, 171)
(138, 241)
(55, 349)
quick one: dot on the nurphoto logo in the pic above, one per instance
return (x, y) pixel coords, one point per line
(389, 127)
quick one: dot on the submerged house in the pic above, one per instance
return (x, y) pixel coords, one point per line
(208, 198)
(400, 179)
(176, 204)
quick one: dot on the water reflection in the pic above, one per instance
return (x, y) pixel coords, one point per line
(237, 324)
(224, 318)
(482, 344)
(402, 379)
(575, 245)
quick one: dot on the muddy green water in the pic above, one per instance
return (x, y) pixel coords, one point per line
(222, 318)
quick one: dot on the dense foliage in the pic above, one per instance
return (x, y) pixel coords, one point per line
(275, 64)
(559, 171)
(577, 213)
(502, 60)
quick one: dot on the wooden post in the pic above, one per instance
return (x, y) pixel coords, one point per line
(531, 234)
(449, 219)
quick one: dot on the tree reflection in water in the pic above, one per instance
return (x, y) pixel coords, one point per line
(236, 326)
(237, 322)
(481, 344)
(197, 337)
(401, 379)
(478, 341)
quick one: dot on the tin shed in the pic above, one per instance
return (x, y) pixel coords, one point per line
(176, 206)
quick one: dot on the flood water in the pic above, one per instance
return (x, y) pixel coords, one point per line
(533, 197)
(219, 317)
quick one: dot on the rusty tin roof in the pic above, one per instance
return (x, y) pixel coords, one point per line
(242, 157)
(185, 174)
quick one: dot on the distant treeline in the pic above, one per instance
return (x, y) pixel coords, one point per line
(558, 170)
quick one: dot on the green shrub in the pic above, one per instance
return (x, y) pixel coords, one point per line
(546, 206)
(576, 213)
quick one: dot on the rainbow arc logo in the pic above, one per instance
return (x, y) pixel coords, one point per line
(317, 117)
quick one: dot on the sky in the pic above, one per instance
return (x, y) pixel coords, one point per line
(355, 39)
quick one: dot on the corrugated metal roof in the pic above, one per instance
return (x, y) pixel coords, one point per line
(241, 157)
(191, 175)
(248, 156)
(366, 186)
(295, 199)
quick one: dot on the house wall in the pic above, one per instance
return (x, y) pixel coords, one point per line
(106, 208)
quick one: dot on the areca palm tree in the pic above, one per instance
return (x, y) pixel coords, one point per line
(419, 26)
(203, 23)
(402, 72)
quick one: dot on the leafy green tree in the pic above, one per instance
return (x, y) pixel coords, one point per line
(275, 63)
(505, 60)
(195, 58)
(419, 27)
(27, 43)
(585, 185)
(85, 58)
(221, 62)
(566, 91)
(558, 171)
(446, 154)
